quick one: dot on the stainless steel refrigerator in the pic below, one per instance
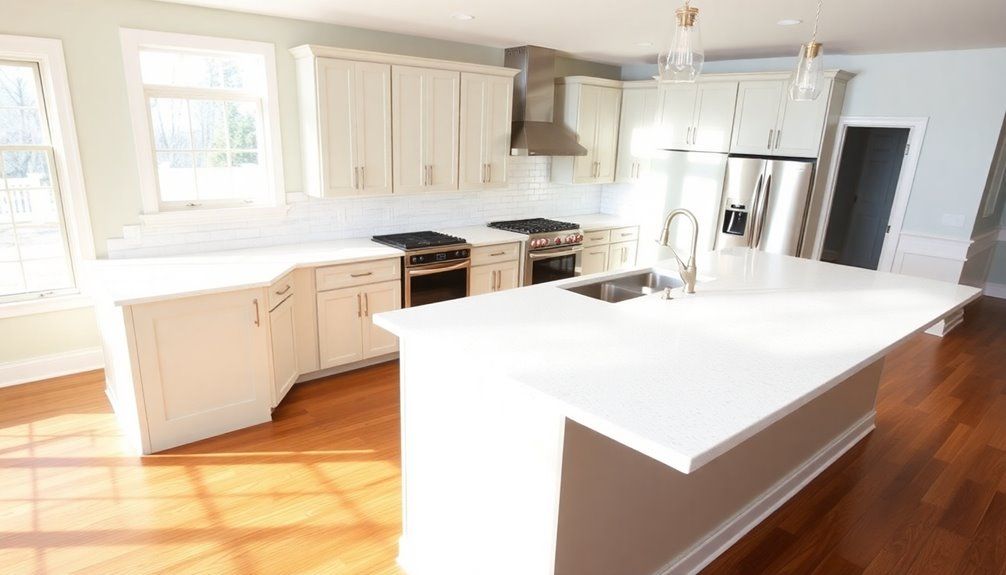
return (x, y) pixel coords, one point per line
(764, 204)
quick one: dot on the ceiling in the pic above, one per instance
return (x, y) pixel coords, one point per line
(612, 30)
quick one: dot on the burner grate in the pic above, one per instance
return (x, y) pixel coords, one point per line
(534, 226)
(418, 240)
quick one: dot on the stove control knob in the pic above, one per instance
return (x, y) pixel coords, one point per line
(579, 237)
(558, 241)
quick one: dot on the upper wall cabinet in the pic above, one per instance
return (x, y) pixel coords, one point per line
(696, 117)
(767, 122)
(345, 127)
(635, 131)
(486, 110)
(590, 108)
(425, 112)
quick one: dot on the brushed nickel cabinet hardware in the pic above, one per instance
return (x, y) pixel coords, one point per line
(284, 290)
(778, 136)
(364, 274)
(258, 318)
(688, 135)
(366, 304)
(359, 305)
(363, 177)
(770, 134)
(492, 255)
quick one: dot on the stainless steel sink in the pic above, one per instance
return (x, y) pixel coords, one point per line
(621, 288)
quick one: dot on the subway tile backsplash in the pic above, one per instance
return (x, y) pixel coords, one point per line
(530, 194)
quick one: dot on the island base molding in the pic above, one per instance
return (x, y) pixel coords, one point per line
(497, 481)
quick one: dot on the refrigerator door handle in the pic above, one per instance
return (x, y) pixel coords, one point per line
(756, 211)
(762, 211)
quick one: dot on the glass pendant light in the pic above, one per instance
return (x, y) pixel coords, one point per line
(683, 61)
(808, 77)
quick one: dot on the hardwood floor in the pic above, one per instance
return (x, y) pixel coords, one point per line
(318, 489)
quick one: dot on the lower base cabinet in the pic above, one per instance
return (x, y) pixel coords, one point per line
(494, 277)
(346, 331)
(621, 255)
(283, 329)
(203, 365)
(594, 260)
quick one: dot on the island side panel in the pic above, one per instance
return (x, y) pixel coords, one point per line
(481, 464)
(623, 512)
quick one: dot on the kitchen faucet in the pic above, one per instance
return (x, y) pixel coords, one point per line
(686, 270)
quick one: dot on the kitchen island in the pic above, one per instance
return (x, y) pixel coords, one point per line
(544, 431)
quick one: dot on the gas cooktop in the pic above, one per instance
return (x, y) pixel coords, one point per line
(534, 226)
(418, 240)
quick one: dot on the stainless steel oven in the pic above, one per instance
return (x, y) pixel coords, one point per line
(545, 265)
(435, 275)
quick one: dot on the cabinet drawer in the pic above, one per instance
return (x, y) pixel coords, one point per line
(629, 234)
(348, 275)
(492, 254)
(596, 238)
(279, 291)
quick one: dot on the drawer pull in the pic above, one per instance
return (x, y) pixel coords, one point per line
(497, 254)
(597, 239)
(364, 274)
(626, 235)
(284, 290)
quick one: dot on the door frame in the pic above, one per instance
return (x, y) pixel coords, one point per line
(916, 134)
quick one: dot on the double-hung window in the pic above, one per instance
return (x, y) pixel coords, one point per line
(205, 119)
(34, 250)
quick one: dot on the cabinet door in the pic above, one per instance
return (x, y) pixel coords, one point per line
(594, 260)
(635, 133)
(203, 364)
(499, 109)
(337, 115)
(586, 133)
(621, 255)
(408, 139)
(507, 275)
(714, 116)
(606, 142)
(482, 280)
(440, 124)
(340, 321)
(756, 116)
(473, 142)
(284, 349)
(802, 126)
(373, 127)
(677, 111)
(380, 297)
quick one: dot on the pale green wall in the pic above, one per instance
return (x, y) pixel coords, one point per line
(46, 334)
(962, 92)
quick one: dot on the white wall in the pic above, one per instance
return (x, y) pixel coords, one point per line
(963, 93)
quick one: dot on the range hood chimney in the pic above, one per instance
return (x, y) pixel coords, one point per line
(533, 132)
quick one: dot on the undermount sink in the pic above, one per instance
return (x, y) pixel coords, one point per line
(621, 288)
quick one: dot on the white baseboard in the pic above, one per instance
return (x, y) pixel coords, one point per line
(48, 366)
(696, 558)
(995, 290)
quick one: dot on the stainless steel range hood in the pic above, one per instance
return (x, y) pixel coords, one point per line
(534, 133)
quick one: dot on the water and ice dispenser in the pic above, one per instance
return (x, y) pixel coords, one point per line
(735, 219)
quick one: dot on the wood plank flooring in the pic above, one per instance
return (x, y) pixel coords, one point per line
(318, 489)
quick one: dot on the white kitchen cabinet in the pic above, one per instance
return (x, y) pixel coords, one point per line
(204, 366)
(635, 132)
(590, 108)
(346, 127)
(494, 277)
(594, 260)
(767, 122)
(283, 331)
(621, 255)
(346, 332)
(425, 115)
(696, 117)
(485, 130)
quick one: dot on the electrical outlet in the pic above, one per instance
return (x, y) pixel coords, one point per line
(953, 220)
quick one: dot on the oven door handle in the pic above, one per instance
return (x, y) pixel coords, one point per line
(543, 255)
(438, 269)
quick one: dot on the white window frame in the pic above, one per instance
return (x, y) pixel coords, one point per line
(133, 41)
(47, 53)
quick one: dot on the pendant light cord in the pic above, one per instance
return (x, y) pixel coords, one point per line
(817, 19)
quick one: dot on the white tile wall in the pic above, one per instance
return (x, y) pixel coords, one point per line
(530, 194)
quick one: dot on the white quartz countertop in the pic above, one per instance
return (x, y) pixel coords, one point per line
(141, 280)
(483, 235)
(685, 380)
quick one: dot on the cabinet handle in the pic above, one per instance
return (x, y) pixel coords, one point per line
(482, 177)
(492, 286)
(688, 135)
(778, 136)
(429, 178)
(359, 305)
(625, 254)
(695, 134)
(366, 304)
(489, 179)
(363, 275)
(497, 254)
(363, 177)
(626, 234)
(597, 239)
(258, 318)
(770, 133)
(284, 290)
(596, 253)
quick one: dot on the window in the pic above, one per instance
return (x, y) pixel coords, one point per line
(34, 250)
(204, 112)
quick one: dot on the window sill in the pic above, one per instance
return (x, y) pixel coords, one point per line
(213, 215)
(44, 305)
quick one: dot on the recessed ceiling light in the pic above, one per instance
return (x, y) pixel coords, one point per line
(463, 17)
(644, 44)
(789, 22)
